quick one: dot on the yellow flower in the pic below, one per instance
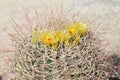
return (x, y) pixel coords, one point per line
(77, 28)
(48, 38)
(73, 28)
(63, 37)
(83, 29)
(60, 35)
(76, 41)
(54, 46)
(35, 36)
(66, 39)
(55, 43)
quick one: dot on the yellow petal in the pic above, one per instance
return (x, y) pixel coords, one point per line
(73, 28)
(83, 29)
(55, 46)
(55, 40)
(48, 38)
(60, 35)
(35, 36)
(66, 37)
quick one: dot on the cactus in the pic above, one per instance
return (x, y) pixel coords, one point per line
(36, 59)
(38, 62)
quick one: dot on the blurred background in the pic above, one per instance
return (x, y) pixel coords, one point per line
(103, 12)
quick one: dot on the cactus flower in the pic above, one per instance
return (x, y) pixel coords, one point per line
(48, 38)
(54, 46)
(66, 39)
(73, 28)
(60, 35)
(63, 37)
(83, 29)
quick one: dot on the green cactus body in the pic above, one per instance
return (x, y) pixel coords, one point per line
(39, 62)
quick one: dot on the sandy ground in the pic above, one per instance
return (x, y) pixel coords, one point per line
(106, 13)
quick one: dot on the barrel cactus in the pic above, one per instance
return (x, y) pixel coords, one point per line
(70, 51)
